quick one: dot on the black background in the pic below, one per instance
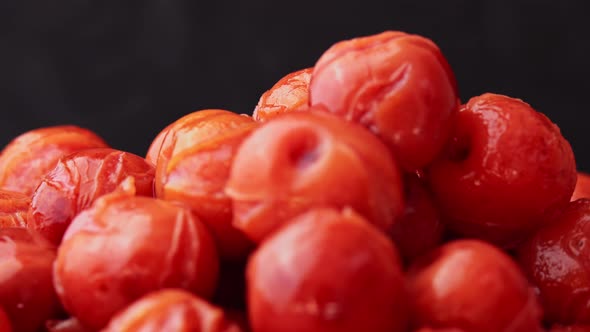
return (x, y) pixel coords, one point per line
(126, 69)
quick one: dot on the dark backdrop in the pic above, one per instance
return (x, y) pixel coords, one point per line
(128, 68)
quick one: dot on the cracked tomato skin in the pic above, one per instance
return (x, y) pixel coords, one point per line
(582, 189)
(26, 289)
(506, 168)
(473, 286)
(171, 310)
(124, 247)
(557, 261)
(194, 165)
(154, 149)
(78, 180)
(398, 85)
(289, 94)
(327, 271)
(419, 229)
(14, 207)
(303, 160)
(26, 159)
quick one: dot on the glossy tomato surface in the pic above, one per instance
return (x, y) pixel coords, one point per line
(26, 289)
(27, 158)
(171, 310)
(289, 94)
(299, 161)
(557, 261)
(126, 246)
(506, 167)
(473, 286)
(194, 165)
(78, 180)
(14, 207)
(396, 84)
(326, 271)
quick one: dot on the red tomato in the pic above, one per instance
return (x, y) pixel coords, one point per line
(507, 165)
(299, 161)
(171, 310)
(570, 328)
(26, 289)
(193, 167)
(473, 286)
(289, 94)
(67, 325)
(4, 322)
(78, 180)
(326, 271)
(398, 85)
(27, 158)
(557, 261)
(419, 229)
(124, 247)
(13, 209)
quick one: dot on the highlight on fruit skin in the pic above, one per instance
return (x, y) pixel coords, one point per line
(398, 85)
(126, 246)
(289, 94)
(78, 180)
(193, 167)
(171, 310)
(303, 160)
(506, 168)
(28, 157)
(557, 261)
(326, 270)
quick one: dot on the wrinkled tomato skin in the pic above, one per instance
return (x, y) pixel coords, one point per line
(326, 271)
(193, 168)
(289, 94)
(26, 289)
(67, 325)
(582, 189)
(557, 261)
(299, 161)
(473, 286)
(419, 229)
(124, 247)
(78, 180)
(26, 159)
(14, 207)
(396, 84)
(506, 167)
(171, 310)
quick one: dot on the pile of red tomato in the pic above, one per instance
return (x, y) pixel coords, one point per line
(362, 196)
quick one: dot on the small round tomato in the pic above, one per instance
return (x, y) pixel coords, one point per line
(326, 271)
(13, 209)
(124, 247)
(506, 167)
(419, 229)
(290, 93)
(303, 160)
(26, 289)
(398, 85)
(557, 261)
(171, 310)
(193, 167)
(26, 159)
(473, 286)
(78, 180)
(582, 189)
